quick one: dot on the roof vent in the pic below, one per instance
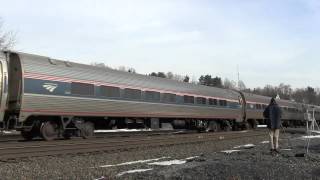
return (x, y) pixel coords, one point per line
(68, 63)
(52, 61)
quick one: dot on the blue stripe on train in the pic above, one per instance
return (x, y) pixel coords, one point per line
(46, 87)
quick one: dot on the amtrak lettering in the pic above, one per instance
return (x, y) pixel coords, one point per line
(50, 86)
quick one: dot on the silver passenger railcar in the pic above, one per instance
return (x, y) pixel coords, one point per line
(54, 98)
(40, 96)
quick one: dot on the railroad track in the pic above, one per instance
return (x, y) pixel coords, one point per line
(42, 148)
(16, 138)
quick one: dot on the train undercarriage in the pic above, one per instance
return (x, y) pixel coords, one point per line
(65, 127)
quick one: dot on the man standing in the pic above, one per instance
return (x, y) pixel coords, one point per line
(273, 115)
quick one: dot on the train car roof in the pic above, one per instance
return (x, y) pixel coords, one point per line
(266, 100)
(42, 65)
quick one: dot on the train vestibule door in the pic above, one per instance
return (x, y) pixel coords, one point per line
(243, 107)
(3, 86)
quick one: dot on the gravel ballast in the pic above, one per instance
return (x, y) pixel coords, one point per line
(246, 158)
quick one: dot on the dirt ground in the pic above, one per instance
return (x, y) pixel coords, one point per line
(247, 158)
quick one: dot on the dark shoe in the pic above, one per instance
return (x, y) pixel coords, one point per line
(277, 151)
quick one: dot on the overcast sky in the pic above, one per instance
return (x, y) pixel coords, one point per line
(272, 41)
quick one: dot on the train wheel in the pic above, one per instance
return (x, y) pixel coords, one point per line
(227, 126)
(49, 130)
(213, 127)
(254, 124)
(66, 135)
(88, 130)
(246, 126)
(27, 135)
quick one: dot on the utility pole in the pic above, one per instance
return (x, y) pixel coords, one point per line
(238, 76)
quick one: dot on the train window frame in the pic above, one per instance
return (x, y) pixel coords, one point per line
(222, 102)
(213, 102)
(172, 98)
(258, 106)
(127, 96)
(152, 99)
(112, 87)
(187, 99)
(90, 91)
(201, 100)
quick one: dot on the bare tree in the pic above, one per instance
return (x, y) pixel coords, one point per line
(7, 38)
(127, 69)
(169, 75)
(99, 64)
(229, 84)
(241, 85)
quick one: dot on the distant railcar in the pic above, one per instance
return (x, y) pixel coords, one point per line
(292, 112)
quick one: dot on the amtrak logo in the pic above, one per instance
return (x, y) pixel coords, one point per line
(50, 86)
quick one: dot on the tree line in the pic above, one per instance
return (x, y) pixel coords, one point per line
(7, 38)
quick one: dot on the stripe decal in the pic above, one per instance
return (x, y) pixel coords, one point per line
(99, 83)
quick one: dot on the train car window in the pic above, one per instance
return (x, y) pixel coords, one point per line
(201, 100)
(250, 106)
(132, 93)
(152, 96)
(82, 89)
(213, 102)
(188, 99)
(168, 97)
(222, 103)
(109, 91)
(258, 106)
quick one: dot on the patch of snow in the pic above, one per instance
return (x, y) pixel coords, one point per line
(178, 132)
(310, 137)
(190, 158)
(10, 132)
(121, 130)
(6, 132)
(317, 132)
(244, 146)
(265, 142)
(262, 126)
(286, 149)
(133, 171)
(101, 178)
(230, 151)
(134, 162)
(168, 163)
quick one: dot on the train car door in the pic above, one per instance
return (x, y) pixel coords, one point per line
(3, 86)
(243, 104)
(15, 85)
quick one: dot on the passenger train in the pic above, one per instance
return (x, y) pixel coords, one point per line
(51, 98)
